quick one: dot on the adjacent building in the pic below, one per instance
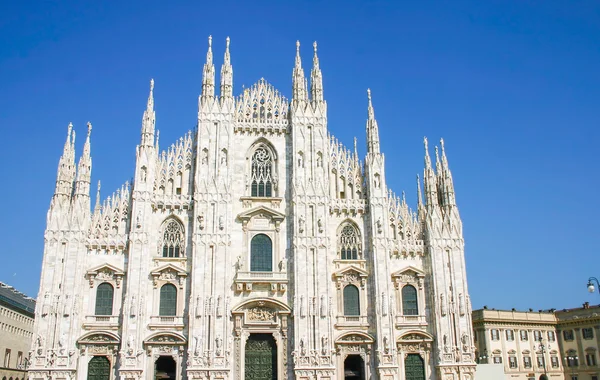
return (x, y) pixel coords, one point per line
(255, 247)
(16, 331)
(560, 343)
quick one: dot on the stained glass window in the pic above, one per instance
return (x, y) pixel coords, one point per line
(409, 300)
(349, 243)
(351, 300)
(168, 300)
(262, 173)
(173, 239)
(261, 254)
(104, 299)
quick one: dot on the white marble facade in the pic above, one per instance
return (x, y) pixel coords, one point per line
(257, 229)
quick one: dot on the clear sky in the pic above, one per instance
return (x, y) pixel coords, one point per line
(512, 86)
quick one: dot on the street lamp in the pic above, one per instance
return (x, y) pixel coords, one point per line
(571, 360)
(484, 357)
(543, 349)
(590, 285)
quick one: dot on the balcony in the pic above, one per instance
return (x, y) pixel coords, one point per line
(101, 322)
(277, 281)
(351, 321)
(403, 321)
(166, 322)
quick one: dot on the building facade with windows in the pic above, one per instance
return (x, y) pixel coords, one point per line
(579, 337)
(16, 331)
(564, 344)
(255, 247)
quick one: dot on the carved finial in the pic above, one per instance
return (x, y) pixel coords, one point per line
(209, 42)
(298, 46)
(152, 84)
(227, 40)
(369, 94)
(89, 129)
(315, 47)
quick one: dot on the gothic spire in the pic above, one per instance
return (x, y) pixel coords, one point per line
(97, 206)
(429, 179)
(149, 119)
(372, 129)
(84, 169)
(448, 184)
(227, 75)
(298, 81)
(316, 79)
(66, 166)
(208, 74)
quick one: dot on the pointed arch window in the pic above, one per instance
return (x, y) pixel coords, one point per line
(349, 243)
(261, 254)
(104, 299)
(351, 301)
(168, 300)
(173, 239)
(409, 300)
(262, 173)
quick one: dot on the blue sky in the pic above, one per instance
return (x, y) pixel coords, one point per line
(512, 86)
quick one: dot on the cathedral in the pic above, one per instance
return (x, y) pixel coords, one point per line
(256, 246)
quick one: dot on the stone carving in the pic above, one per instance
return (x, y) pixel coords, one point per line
(133, 308)
(130, 344)
(262, 314)
(62, 341)
(324, 345)
(204, 156)
(302, 347)
(320, 225)
(302, 310)
(384, 304)
(461, 304)
(218, 345)
(219, 306)
(283, 265)
(301, 223)
(378, 223)
(323, 306)
(198, 306)
(200, 222)
(223, 158)
(221, 223)
(351, 277)
(168, 275)
(442, 305)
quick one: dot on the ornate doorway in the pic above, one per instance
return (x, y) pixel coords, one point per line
(354, 368)
(261, 357)
(414, 368)
(165, 368)
(99, 368)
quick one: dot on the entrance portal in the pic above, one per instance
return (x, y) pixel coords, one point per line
(354, 368)
(165, 368)
(98, 368)
(261, 357)
(414, 368)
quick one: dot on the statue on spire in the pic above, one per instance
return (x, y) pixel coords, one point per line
(226, 74)
(372, 128)
(298, 81)
(316, 78)
(208, 74)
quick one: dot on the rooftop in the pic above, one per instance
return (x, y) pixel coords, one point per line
(16, 299)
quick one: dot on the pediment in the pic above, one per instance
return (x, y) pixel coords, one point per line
(105, 272)
(416, 336)
(165, 339)
(105, 268)
(410, 271)
(99, 338)
(169, 270)
(355, 338)
(262, 212)
(351, 270)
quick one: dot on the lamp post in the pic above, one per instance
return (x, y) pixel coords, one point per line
(590, 285)
(571, 360)
(484, 357)
(543, 349)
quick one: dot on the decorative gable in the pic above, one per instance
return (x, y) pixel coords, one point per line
(261, 217)
(408, 275)
(105, 272)
(168, 273)
(351, 275)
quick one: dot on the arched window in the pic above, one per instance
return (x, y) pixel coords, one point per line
(99, 368)
(351, 301)
(173, 239)
(262, 173)
(261, 254)
(349, 242)
(409, 300)
(104, 299)
(168, 300)
(414, 367)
